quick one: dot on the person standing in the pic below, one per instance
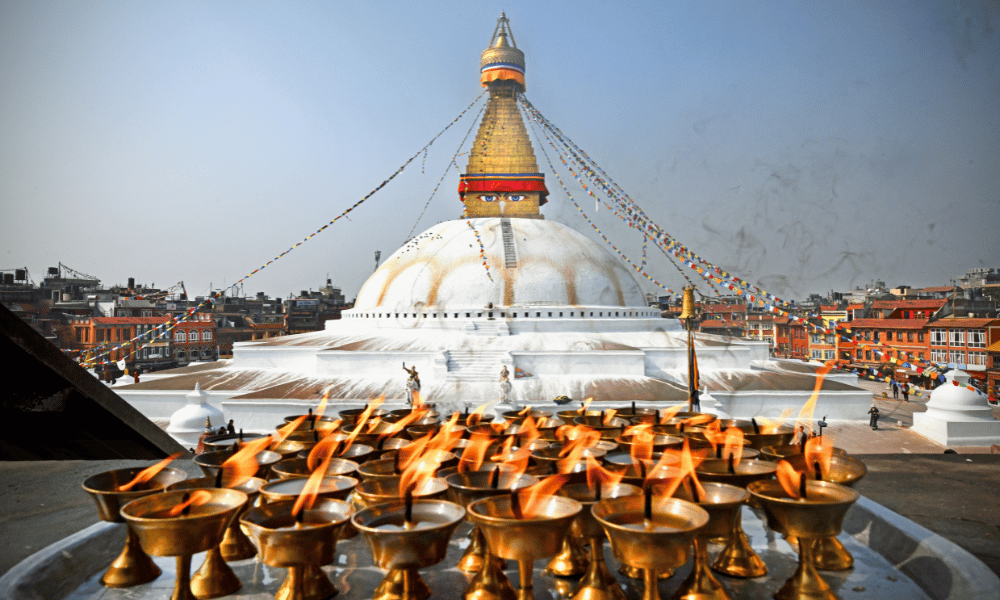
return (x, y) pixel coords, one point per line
(873, 422)
(895, 390)
(906, 392)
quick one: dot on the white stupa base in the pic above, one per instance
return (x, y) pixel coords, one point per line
(949, 432)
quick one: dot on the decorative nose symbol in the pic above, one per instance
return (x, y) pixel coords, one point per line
(503, 204)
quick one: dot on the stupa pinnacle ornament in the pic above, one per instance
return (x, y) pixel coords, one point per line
(502, 178)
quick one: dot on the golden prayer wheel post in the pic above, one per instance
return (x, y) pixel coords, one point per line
(689, 313)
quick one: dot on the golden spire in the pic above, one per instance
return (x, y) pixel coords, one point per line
(502, 178)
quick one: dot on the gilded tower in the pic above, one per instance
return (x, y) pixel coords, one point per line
(502, 178)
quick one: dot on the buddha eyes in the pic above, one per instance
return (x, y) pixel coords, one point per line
(509, 198)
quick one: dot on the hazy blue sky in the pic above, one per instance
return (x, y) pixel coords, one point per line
(803, 145)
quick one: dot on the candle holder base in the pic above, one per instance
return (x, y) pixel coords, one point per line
(571, 560)
(402, 584)
(132, 567)
(214, 578)
(476, 553)
(315, 585)
(236, 545)
(738, 559)
(701, 584)
(490, 583)
(598, 583)
(830, 555)
(636, 573)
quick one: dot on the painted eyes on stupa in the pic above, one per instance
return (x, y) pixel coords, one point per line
(508, 198)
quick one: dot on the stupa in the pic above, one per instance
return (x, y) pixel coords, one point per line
(500, 290)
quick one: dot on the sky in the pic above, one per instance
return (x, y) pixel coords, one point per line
(803, 146)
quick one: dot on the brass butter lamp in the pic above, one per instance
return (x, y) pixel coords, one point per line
(195, 529)
(132, 566)
(661, 541)
(284, 541)
(819, 512)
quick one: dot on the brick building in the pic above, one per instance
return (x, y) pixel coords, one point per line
(194, 339)
(95, 334)
(962, 343)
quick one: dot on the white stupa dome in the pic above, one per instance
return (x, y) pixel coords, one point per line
(188, 422)
(954, 398)
(533, 262)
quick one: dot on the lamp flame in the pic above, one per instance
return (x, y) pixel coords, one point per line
(734, 445)
(769, 426)
(447, 435)
(527, 410)
(586, 404)
(477, 415)
(417, 476)
(362, 419)
(242, 465)
(608, 415)
(789, 479)
(195, 498)
(598, 476)
(531, 497)
(689, 461)
(474, 453)
(819, 451)
(528, 432)
(805, 417)
(670, 413)
(148, 473)
(642, 442)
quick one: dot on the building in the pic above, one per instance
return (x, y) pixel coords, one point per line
(499, 288)
(194, 339)
(96, 335)
(962, 343)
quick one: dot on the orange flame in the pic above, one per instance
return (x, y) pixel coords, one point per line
(286, 430)
(148, 473)
(362, 420)
(394, 428)
(447, 435)
(531, 497)
(409, 453)
(734, 445)
(505, 451)
(581, 435)
(474, 453)
(323, 450)
(322, 405)
(196, 498)
(689, 462)
(608, 415)
(670, 413)
(311, 488)
(769, 426)
(599, 476)
(806, 413)
(642, 443)
(818, 451)
(698, 420)
(243, 465)
(527, 409)
(788, 478)
(418, 401)
(586, 404)
(528, 432)
(416, 477)
(477, 415)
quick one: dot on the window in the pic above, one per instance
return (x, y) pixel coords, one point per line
(815, 339)
(817, 354)
(920, 336)
(180, 336)
(909, 336)
(193, 335)
(206, 335)
(977, 338)
(868, 354)
(977, 358)
(828, 354)
(919, 355)
(956, 337)
(939, 356)
(860, 354)
(956, 356)
(938, 337)
(829, 339)
(79, 334)
(888, 336)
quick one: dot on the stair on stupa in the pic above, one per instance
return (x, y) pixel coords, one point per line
(477, 365)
